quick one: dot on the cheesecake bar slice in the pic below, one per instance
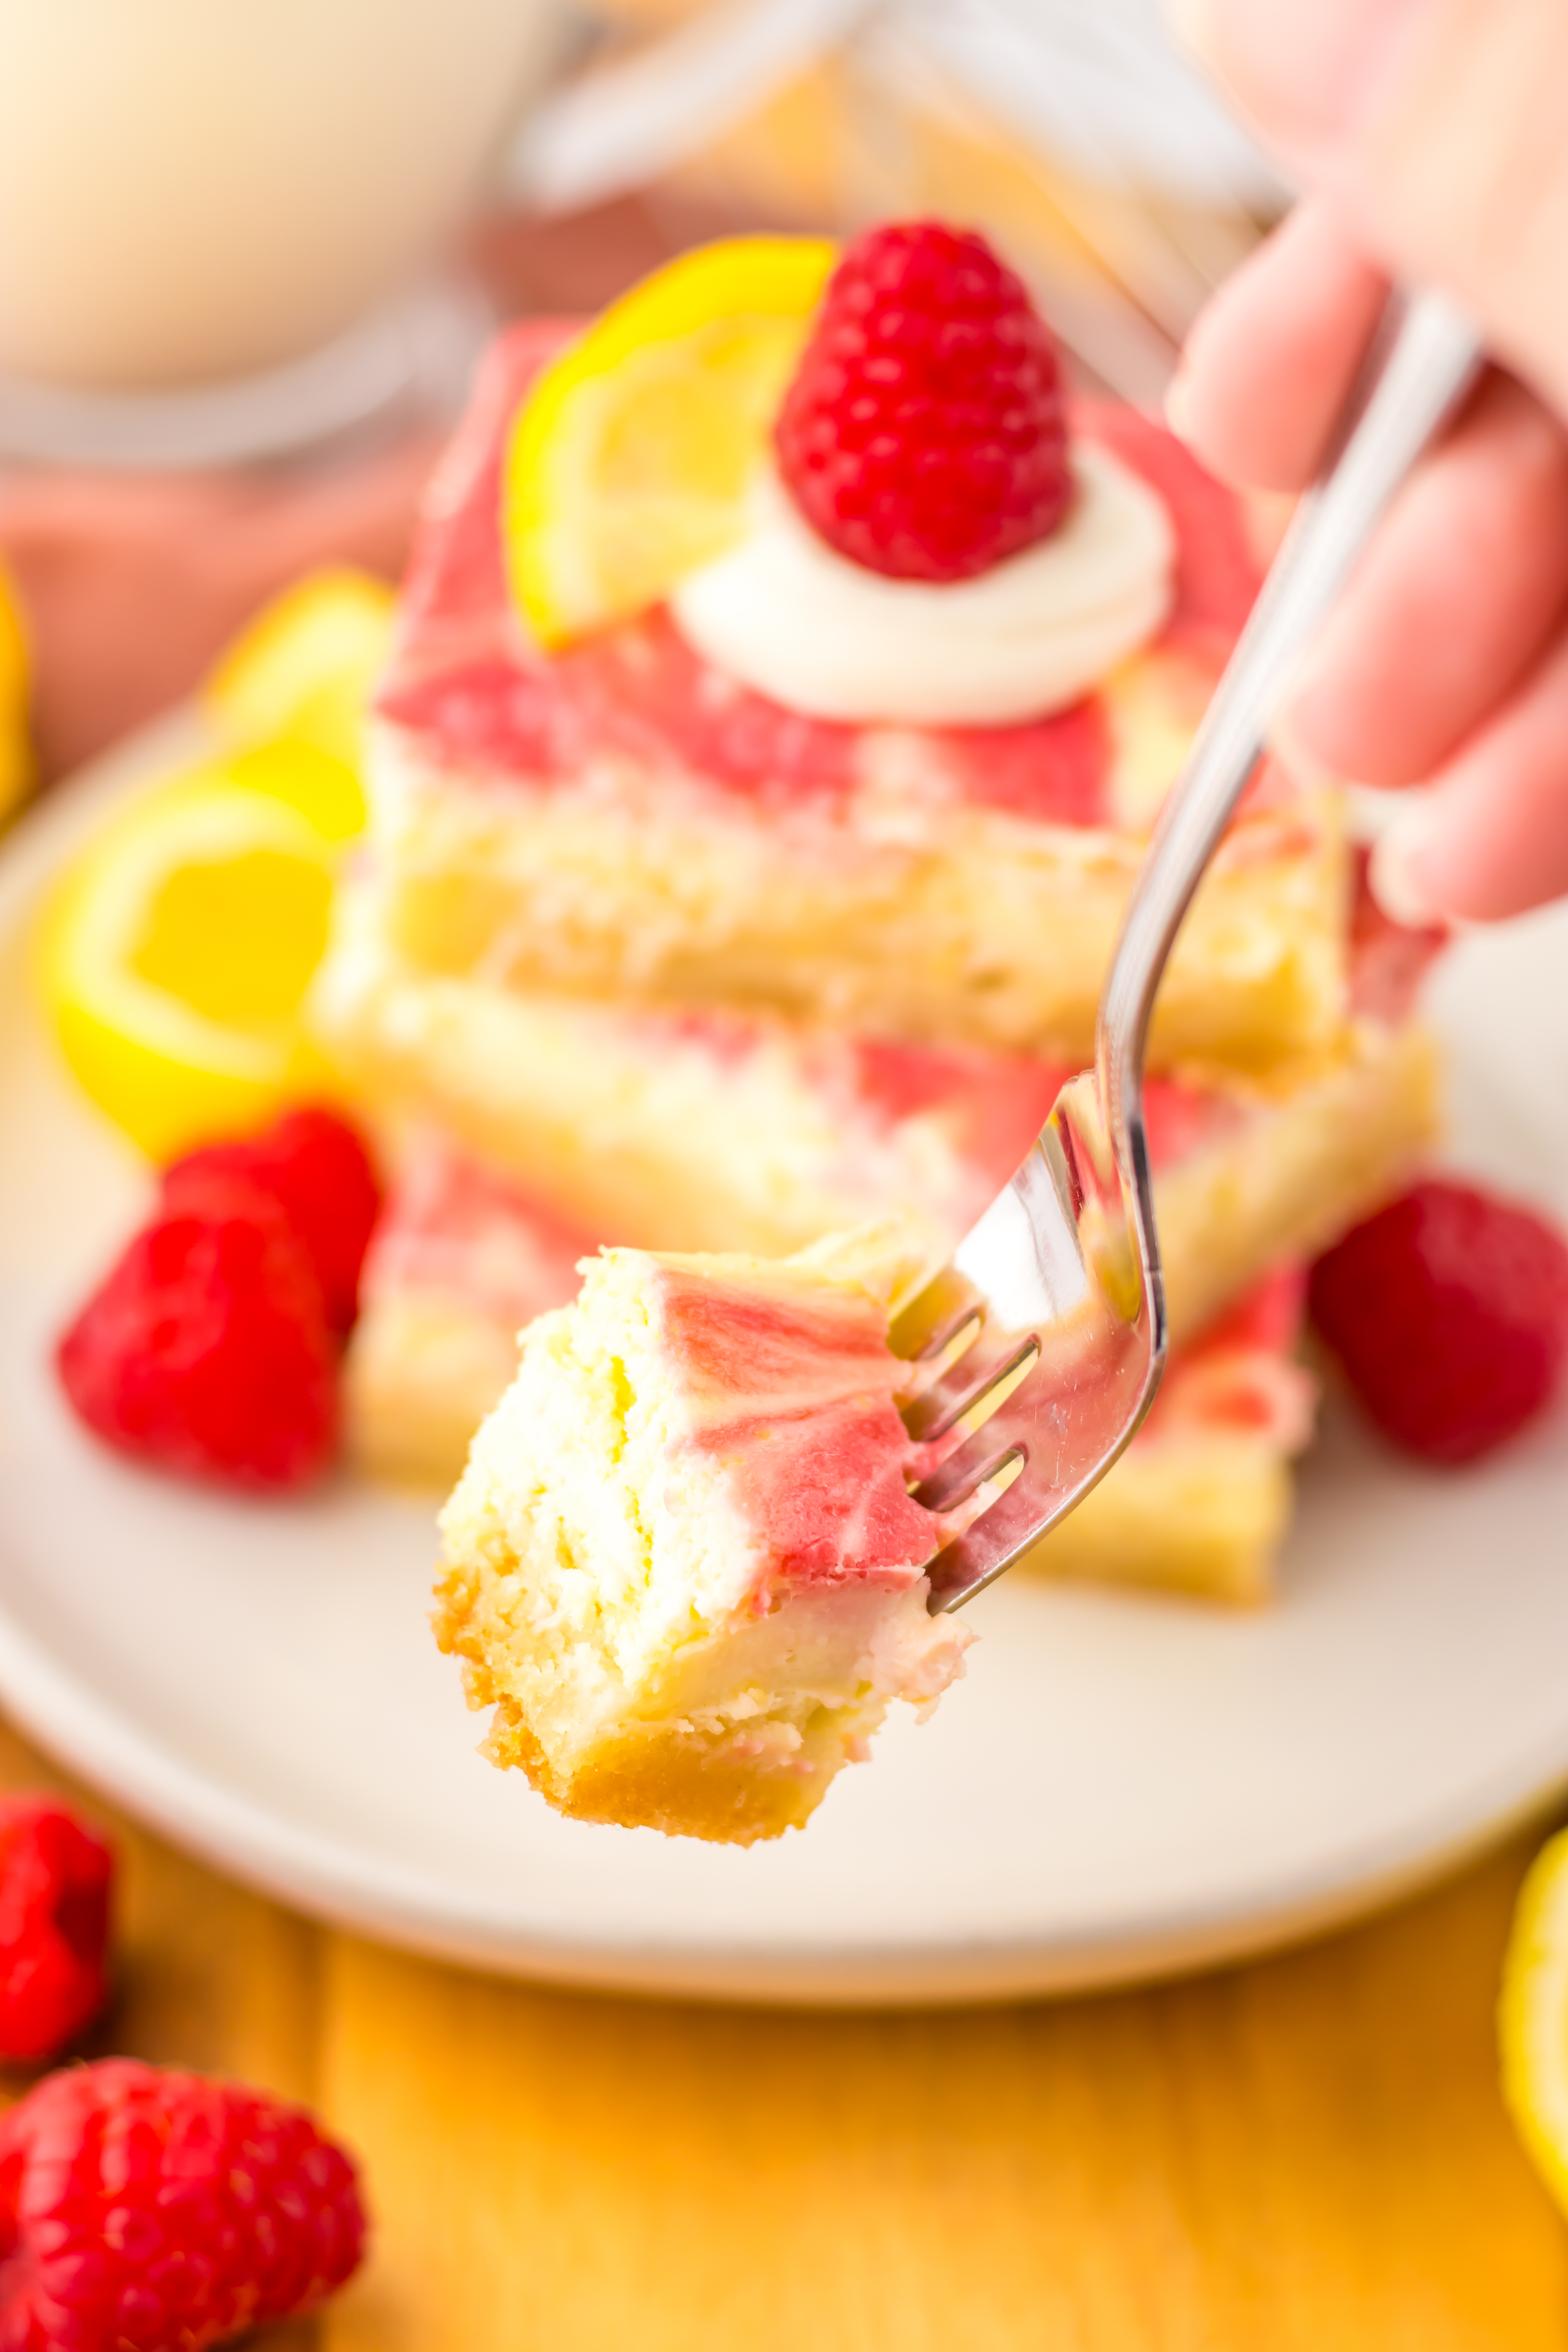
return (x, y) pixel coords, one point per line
(1200, 1502)
(683, 1565)
(460, 1261)
(623, 818)
(674, 1129)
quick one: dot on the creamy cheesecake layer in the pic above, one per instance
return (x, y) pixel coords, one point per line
(722, 1132)
(682, 1564)
(625, 818)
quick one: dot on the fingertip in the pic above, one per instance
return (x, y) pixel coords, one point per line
(1490, 838)
(1271, 358)
(1313, 78)
(1451, 607)
(1194, 24)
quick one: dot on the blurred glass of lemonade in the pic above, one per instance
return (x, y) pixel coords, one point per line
(193, 190)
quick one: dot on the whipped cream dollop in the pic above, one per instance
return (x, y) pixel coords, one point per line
(787, 616)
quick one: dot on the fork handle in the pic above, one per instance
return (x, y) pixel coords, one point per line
(1423, 362)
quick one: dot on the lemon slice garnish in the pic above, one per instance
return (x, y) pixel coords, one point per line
(326, 790)
(15, 747)
(176, 952)
(1532, 2016)
(631, 458)
(305, 668)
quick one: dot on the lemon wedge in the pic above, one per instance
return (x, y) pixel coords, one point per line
(16, 750)
(305, 668)
(325, 790)
(631, 460)
(1532, 2016)
(176, 952)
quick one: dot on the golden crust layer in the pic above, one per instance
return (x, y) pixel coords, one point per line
(684, 1776)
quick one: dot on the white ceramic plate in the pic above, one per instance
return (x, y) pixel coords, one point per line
(1120, 1787)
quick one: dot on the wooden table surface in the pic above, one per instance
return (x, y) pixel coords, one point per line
(1306, 2153)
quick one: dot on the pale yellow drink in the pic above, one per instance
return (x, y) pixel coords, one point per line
(196, 189)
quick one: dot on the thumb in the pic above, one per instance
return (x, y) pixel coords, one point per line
(1436, 128)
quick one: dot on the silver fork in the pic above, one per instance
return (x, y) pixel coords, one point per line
(1037, 1351)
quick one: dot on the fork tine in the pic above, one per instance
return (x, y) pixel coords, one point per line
(982, 1457)
(1064, 1431)
(928, 1323)
(1006, 1528)
(981, 1368)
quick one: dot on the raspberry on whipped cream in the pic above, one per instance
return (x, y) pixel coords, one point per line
(923, 435)
(929, 554)
(683, 1564)
(793, 619)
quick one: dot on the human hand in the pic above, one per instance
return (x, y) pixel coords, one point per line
(1431, 133)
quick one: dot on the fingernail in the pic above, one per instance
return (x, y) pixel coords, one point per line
(1395, 872)
(1306, 768)
(1191, 21)
(1308, 70)
(1178, 402)
(1294, 743)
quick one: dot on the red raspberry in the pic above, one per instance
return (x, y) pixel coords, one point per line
(315, 1167)
(144, 2210)
(923, 434)
(55, 1879)
(1448, 1311)
(205, 1350)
